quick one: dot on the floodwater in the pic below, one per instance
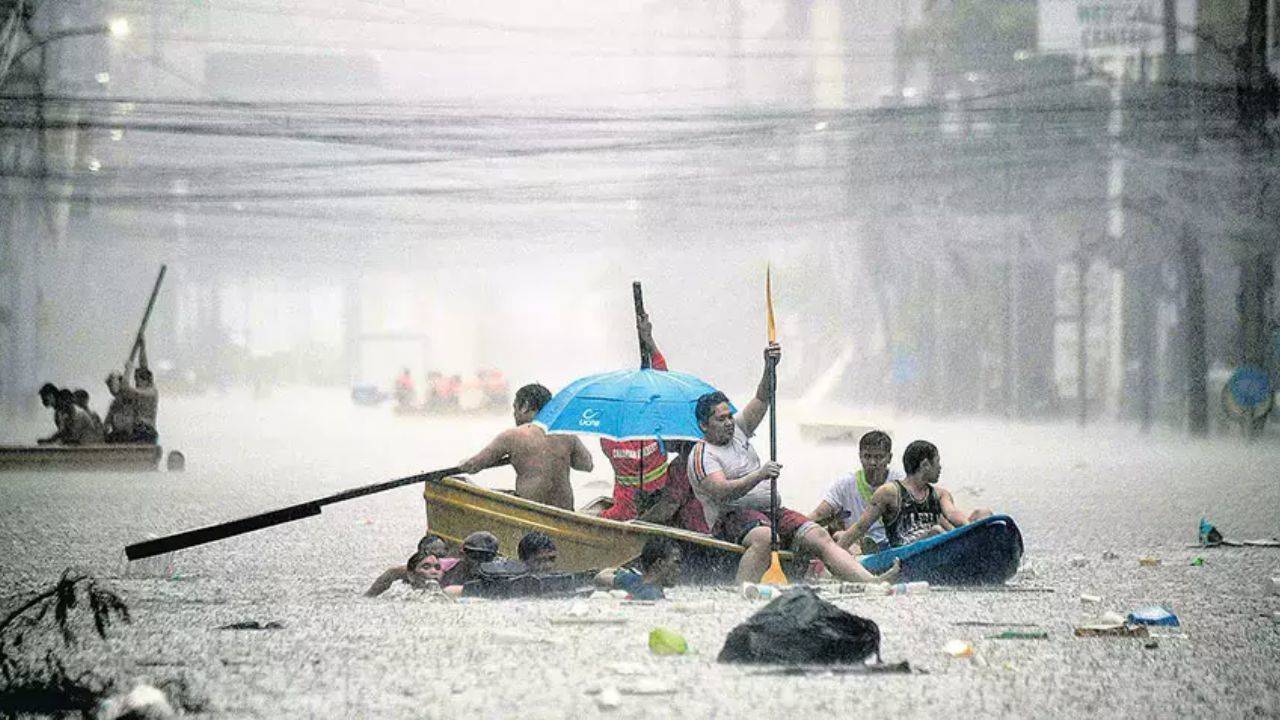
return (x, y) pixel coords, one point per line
(1075, 495)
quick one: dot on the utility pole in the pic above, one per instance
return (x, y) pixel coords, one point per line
(1257, 99)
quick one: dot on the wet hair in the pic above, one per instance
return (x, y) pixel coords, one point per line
(532, 396)
(66, 397)
(142, 374)
(655, 549)
(876, 440)
(48, 390)
(533, 543)
(428, 540)
(413, 561)
(916, 453)
(706, 404)
(417, 558)
(82, 397)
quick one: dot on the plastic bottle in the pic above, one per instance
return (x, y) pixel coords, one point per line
(752, 591)
(909, 588)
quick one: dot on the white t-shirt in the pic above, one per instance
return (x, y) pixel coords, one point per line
(735, 459)
(849, 504)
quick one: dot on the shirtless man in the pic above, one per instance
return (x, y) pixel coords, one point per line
(541, 461)
(912, 508)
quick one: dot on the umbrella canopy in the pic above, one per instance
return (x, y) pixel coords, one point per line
(627, 405)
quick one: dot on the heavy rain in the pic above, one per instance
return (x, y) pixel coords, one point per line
(336, 275)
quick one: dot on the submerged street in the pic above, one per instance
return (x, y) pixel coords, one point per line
(1077, 496)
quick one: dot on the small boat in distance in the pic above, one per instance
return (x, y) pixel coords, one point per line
(80, 458)
(457, 508)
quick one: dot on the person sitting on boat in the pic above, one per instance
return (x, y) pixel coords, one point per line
(733, 486)
(423, 571)
(659, 567)
(82, 399)
(847, 497)
(912, 508)
(134, 421)
(478, 548)
(646, 484)
(120, 415)
(49, 399)
(541, 461)
(77, 426)
(404, 390)
(537, 551)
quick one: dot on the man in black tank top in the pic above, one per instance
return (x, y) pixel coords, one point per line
(912, 508)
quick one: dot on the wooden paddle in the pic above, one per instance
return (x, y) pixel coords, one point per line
(142, 328)
(774, 575)
(211, 533)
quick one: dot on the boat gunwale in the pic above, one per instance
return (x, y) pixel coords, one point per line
(634, 527)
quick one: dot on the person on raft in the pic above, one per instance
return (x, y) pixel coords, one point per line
(912, 508)
(849, 495)
(659, 567)
(431, 545)
(647, 485)
(541, 461)
(82, 399)
(131, 418)
(733, 486)
(49, 399)
(75, 424)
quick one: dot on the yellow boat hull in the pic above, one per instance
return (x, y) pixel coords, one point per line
(456, 508)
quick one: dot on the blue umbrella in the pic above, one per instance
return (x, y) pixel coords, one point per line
(627, 405)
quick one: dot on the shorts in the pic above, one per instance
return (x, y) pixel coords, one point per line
(734, 525)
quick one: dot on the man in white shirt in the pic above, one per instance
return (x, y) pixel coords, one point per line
(733, 486)
(847, 498)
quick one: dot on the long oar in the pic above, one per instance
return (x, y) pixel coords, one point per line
(142, 328)
(200, 536)
(774, 575)
(646, 360)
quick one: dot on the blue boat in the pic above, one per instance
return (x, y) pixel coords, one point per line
(986, 552)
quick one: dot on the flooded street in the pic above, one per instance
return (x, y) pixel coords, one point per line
(1075, 496)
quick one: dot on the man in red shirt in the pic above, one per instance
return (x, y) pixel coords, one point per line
(647, 485)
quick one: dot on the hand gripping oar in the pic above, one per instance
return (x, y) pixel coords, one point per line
(200, 536)
(774, 575)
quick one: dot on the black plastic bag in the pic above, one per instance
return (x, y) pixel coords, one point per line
(800, 627)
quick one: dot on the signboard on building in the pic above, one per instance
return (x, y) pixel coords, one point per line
(1106, 28)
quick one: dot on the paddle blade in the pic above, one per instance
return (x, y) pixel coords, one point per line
(774, 575)
(768, 305)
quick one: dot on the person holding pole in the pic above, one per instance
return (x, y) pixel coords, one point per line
(134, 406)
(647, 485)
(734, 488)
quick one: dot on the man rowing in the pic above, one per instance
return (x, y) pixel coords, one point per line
(541, 461)
(733, 486)
(912, 508)
(646, 485)
(131, 418)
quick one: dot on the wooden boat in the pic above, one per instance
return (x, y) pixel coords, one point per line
(986, 552)
(79, 458)
(456, 508)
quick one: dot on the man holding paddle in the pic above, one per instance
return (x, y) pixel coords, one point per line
(734, 487)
